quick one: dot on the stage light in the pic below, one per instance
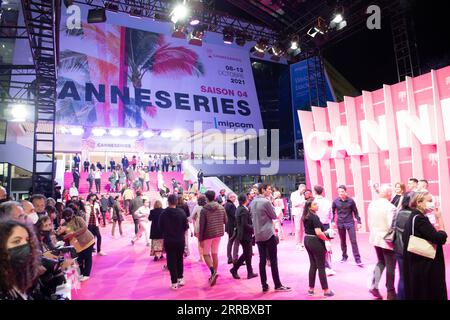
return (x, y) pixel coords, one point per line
(115, 132)
(319, 27)
(135, 12)
(228, 35)
(179, 13)
(179, 31)
(148, 134)
(132, 133)
(338, 21)
(277, 51)
(197, 35)
(98, 132)
(295, 42)
(260, 48)
(166, 134)
(241, 39)
(195, 20)
(18, 112)
(338, 15)
(111, 6)
(76, 131)
(96, 15)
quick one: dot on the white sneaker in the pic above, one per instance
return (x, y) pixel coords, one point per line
(330, 272)
(181, 282)
(84, 278)
(101, 253)
(174, 286)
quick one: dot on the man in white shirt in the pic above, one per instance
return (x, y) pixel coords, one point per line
(325, 215)
(380, 214)
(298, 203)
(73, 191)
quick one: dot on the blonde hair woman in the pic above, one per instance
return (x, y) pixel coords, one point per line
(279, 206)
(424, 278)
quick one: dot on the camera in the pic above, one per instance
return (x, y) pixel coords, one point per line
(53, 276)
(65, 249)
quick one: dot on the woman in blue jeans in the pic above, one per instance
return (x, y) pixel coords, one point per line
(317, 245)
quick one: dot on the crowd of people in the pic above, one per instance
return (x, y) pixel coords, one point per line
(40, 230)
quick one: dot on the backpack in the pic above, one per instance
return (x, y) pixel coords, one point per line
(400, 224)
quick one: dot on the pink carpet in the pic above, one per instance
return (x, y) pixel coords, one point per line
(129, 273)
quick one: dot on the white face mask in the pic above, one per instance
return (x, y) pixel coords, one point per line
(33, 218)
(430, 206)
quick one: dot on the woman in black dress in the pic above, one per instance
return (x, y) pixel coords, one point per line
(156, 236)
(424, 278)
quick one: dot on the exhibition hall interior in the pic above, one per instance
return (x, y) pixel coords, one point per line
(229, 150)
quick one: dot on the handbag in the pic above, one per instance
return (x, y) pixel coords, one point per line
(421, 246)
(390, 236)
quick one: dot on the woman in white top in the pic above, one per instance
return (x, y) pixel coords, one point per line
(279, 206)
(201, 201)
(97, 177)
(142, 215)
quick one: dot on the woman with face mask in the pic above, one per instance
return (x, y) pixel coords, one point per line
(19, 262)
(424, 278)
(75, 231)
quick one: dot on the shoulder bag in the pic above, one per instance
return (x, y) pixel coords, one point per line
(421, 246)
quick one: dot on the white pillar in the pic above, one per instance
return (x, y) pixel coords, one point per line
(70, 162)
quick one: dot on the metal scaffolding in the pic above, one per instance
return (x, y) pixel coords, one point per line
(40, 17)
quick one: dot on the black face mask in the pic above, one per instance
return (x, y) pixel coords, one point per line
(19, 255)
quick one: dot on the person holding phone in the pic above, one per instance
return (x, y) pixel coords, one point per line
(75, 231)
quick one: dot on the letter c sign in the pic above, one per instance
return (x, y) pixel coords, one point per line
(317, 145)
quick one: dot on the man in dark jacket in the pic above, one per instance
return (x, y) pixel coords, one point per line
(125, 163)
(104, 207)
(135, 204)
(200, 178)
(86, 165)
(230, 228)
(244, 233)
(76, 177)
(212, 220)
(173, 224)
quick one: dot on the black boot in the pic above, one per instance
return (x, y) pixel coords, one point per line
(234, 273)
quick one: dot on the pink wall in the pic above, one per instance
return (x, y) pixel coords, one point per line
(385, 136)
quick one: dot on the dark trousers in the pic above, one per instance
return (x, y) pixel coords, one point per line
(174, 253)
(233, 243)
(103, 216)
(86, 169)
(179, 167)
(91, 182)
(96, 232)
(352, 235)
(386, 259)
(127, 203)
(148, 185)
(268, 248)
(136, 226)
(245, 256)
(401, 281)
(85, 261)
(77, 183)
(316, 252)
(97, 185)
